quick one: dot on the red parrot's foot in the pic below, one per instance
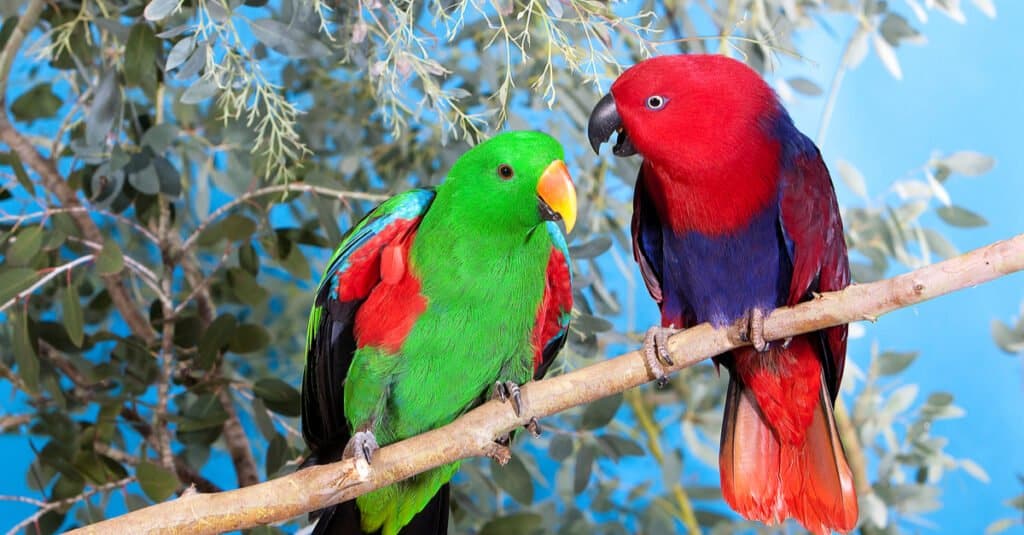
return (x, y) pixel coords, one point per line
(655, 349)
(362, 446)
(749, 329)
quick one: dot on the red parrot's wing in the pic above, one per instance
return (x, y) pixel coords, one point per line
(648, 250)
(355, 270)
(555, 311)
(814, 237)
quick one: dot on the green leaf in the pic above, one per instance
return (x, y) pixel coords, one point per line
(804, 86)
(246, 288)
(900, 400)
(584, 466)
(277, 454)
(249, 338)
(893, 362)
(168, 176)
(1009, 340)
(180, 52)
(975, 470)
(159, 137)
(286, 39)
(960, 217)
(600, 412)
(158, 10)
(110, 260)
(514, 524)
(560, 447)
(140, 58)
(278, 395)
(590, 249)
(26, 245)
(514, 479)
(969, 163)
(1000, 526)
(200, 90)
(145, 180)
(156, 481)
(262, 419)
(73, 317)
(248, 259)
(216, 339)
(15, 280)
(25, 351)
(40, 102)
(104, 109)
(589, 324)
(620, 446)
(853, 178)
(205, 412)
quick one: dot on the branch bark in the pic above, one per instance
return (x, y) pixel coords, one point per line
(473, 434)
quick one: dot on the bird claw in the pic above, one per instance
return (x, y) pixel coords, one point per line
(749, 329)
(655, 350)
(534, 426)
(506, 391)
(362, 446)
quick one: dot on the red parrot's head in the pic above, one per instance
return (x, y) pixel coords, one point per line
(690, 111)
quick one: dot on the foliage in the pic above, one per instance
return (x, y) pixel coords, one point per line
(195, 161)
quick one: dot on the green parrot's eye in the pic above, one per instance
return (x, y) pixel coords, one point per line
(505, 171)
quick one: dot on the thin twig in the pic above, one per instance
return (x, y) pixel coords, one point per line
(837, 82)
(50, 506)
(19, 219)
(473, 434)
(281, 188)
(50, 275)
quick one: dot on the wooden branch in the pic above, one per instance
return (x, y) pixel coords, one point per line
(473, 434)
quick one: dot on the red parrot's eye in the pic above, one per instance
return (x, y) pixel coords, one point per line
(656, 102)
(505, 171)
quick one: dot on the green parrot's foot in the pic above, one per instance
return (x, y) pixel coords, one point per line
(750, 329)
(362, 446)
(655, 350)
(509, 391)
(498, 452)
(533, 426)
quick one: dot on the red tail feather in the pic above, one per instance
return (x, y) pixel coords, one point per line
(767, 479)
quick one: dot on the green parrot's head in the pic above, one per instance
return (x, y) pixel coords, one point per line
(514, 179)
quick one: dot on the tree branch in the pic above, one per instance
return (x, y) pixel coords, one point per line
(473, 434)
(52, 180)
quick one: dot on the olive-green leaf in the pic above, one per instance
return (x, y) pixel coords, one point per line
(277, 395)
(109, 260)
(40, 102)
(158, 10)
(216, 338)
(73, 317)
(246, 288)
(26, 245)
(159, 137)
(620, 446)
(560, 447)
(514, 524)
(262, 419)
(514, 479)
(277, 454)
(104, 108)
(25, 352)
(200, 90)
(893, 362)
(584, 467)
(140, 57)
(156, 481)
(961, 217)
(969, 163)
(590, 249)
(14, 281)
(600, 412)
(249, 338)
(804, 86)
(1009, 340)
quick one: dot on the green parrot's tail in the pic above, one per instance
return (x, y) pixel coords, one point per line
(344, 519)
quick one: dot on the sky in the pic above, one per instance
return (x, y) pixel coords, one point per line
(962, 90)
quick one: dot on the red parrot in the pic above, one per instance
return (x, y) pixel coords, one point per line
(734, 214)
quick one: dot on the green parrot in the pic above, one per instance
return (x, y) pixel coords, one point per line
(435, 301)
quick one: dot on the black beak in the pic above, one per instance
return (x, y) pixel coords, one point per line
(605, 120)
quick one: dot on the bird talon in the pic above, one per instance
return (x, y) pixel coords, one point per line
(509, 390)
(362, 446)
(655, 351)
(533, 426)
(498, 453)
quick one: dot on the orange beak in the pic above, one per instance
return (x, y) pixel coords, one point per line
(557, 194)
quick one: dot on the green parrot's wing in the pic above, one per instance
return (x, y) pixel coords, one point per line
(352, 273)
(552, 325)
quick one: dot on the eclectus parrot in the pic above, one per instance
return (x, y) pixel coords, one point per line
(734, 214)
(434, 300)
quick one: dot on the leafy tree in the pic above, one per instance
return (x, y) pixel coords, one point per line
(176, 173)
